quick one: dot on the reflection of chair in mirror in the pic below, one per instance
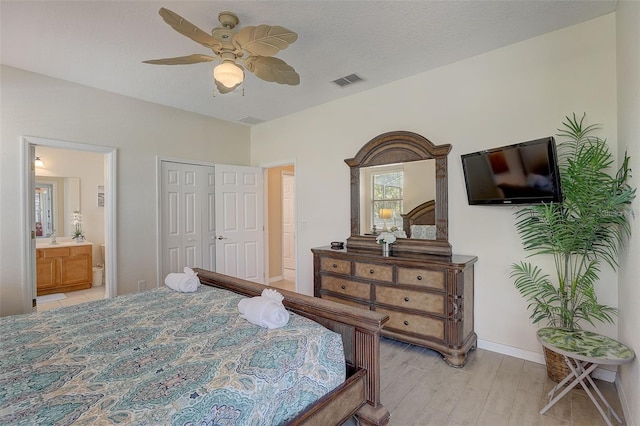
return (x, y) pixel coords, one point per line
(38, 229)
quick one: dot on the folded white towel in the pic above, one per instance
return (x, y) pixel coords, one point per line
(187, 282)
(266, 310)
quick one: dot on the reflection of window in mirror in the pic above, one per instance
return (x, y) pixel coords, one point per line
(44, 209)
(399, 187)
(386, 203)
(56, 198)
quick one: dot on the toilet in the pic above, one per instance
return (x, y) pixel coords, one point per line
(97, 276)
(98, 270)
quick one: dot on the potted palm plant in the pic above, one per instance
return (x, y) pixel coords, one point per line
(580, 233)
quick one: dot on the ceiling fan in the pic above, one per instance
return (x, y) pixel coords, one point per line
(252, 46)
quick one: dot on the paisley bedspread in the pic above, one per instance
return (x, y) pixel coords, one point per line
(161, 357)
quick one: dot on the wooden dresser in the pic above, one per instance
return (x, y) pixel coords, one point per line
(429, 299)
(66, 268)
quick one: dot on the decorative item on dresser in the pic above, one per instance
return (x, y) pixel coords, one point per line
(425, 289)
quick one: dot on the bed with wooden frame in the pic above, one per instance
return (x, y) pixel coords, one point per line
(359, 395)
(167, 357)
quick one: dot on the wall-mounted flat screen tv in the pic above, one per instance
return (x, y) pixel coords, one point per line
(523, 173)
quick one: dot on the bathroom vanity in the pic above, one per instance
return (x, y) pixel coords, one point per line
(64, 267)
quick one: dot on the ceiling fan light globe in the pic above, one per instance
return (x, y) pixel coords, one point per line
(228, 74)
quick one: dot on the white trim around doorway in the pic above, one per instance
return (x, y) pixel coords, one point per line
(265, 168)
(28, 271)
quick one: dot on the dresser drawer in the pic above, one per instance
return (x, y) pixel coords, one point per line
(421, 277)
(372, 271)
(335, 265)
(349, 302)
(425, 302)
(346, 287)
(424, 326)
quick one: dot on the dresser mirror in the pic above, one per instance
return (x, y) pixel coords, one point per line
(399, 185)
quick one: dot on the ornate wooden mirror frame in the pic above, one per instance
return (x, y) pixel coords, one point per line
(401, 147)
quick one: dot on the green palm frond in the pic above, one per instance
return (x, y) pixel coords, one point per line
(587, 228)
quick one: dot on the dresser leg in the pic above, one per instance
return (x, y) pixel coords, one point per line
(458, 357)
(458, 360)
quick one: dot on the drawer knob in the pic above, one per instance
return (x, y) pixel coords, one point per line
(335, 265)
(419, 277)
(343, 286)
(406, 323)
(406, 299)
(371, 271)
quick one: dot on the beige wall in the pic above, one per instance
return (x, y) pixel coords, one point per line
(513, 94)
(39, 106)
(628, 42)
(517, 93)
(274, 203)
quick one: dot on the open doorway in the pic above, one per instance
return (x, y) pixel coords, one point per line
(281, 226)
(82, 192)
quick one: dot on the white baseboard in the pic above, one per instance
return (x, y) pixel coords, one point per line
(511, 351)
(598, 373)
(275, 279)
(626, 411)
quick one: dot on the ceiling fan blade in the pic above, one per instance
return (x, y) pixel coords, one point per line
(264, 40)
(187, 29)
(272, 69)
(181, 60)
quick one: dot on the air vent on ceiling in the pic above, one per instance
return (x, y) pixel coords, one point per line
(348, 80)
(251, 120)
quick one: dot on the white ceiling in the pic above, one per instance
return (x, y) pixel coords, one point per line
(102, 44)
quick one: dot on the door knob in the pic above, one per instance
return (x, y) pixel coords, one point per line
(220, 237)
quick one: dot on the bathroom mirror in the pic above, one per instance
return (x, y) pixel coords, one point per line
(56, 198)
(423, 165)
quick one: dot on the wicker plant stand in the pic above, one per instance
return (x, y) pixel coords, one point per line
(557, 368)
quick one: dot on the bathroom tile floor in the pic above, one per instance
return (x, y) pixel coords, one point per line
(73, 298)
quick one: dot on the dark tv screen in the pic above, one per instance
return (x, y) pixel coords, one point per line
(522, 173)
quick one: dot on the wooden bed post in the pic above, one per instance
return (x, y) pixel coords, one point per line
(373, 412)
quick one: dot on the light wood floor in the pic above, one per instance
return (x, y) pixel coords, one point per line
(419, 388)
(288, 282)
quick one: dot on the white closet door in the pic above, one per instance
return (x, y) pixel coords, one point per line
(239, 222)
(188, 233)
